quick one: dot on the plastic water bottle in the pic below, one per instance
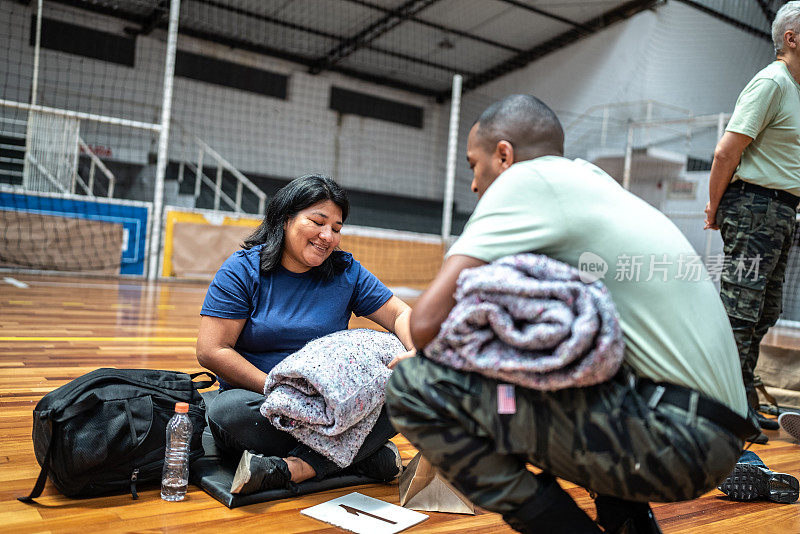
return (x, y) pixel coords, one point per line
(175, 477)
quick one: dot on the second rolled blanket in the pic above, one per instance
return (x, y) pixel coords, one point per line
(529, 320)
(329, 394)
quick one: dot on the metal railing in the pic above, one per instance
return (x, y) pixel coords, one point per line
(606, 125)
(95, 163)
(202, 149)
(77, 180)
(17, 129)
(12, 129)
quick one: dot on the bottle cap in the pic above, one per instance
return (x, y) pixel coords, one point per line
(181, 407)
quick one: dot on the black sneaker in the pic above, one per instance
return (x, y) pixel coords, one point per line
(764, 422)
(256, 472)
(383, 465)
(621, 516)
(752, 482)
(759, 439)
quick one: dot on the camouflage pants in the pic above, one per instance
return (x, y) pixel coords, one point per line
(759, 230)
(604, 438)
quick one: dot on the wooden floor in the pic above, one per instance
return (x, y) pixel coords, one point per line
(59, 328)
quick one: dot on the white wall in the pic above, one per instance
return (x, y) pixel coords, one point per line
(676, 55)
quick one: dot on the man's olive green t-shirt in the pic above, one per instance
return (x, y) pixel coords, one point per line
(768, 111)
(675, 327)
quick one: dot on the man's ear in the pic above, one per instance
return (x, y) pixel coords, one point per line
(504, 151)
(791, 39)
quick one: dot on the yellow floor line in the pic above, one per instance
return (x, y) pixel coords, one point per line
(82, 338)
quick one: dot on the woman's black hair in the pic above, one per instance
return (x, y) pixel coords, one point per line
(292, 198)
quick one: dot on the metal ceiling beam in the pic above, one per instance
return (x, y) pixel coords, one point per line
(543, 13)
(295, 58)
(369, 34)
(157, 17)
(105, 10)
(319, 33)
(765, 9)
(235, 43)
(566, 38)
(442, 28)
(730, 20)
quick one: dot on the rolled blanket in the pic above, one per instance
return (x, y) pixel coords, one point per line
(329, 394)
(529, 320)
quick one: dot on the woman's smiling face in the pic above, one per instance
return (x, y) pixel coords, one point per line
(310, 236)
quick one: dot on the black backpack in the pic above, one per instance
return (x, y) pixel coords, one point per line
(106, 430)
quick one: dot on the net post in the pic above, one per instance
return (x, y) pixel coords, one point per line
(452, 146)
(36, 49)
(626, 173)
(26, 171)
(198, 175)
(218, 182)
(163, 145)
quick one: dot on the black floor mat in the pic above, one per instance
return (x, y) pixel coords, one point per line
(214, 473)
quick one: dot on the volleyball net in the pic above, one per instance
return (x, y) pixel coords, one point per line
(88, 186)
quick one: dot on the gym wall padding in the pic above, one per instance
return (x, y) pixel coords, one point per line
(66, 249)
(396, 262)
(779, 369)
(196, 244)
(76, 233)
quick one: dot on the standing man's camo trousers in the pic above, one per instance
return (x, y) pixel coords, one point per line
(758, 230)
(604, 438)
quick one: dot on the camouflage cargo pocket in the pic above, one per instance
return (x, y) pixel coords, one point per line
(742, 301)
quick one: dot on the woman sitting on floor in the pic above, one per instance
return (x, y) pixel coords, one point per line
(289, 285)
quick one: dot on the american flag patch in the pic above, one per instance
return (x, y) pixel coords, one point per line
(506, 401)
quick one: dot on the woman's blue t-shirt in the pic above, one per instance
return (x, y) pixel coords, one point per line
(286, 310)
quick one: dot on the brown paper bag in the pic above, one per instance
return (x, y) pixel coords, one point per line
(422, 488)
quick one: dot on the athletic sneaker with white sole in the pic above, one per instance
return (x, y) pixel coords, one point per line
(748, 482)
(790, 422)
(256, 472)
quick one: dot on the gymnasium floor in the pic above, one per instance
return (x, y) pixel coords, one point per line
(59, 328)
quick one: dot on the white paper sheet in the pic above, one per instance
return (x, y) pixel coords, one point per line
(364, 515)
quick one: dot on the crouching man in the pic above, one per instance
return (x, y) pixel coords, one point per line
(668, 427)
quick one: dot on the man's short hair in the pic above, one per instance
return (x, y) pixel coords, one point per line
(787, 18)
(524, 121)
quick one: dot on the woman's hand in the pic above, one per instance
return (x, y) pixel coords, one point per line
(399, 358)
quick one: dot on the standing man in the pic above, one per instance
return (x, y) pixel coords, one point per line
(668, 427)
(754, 190)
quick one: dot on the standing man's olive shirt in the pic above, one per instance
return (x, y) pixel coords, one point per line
(768, 111)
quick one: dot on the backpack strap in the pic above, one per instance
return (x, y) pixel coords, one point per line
(40, 482)
(84, 405)
(202, 384)
(71, 411)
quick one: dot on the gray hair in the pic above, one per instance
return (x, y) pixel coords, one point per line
(787, 18)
